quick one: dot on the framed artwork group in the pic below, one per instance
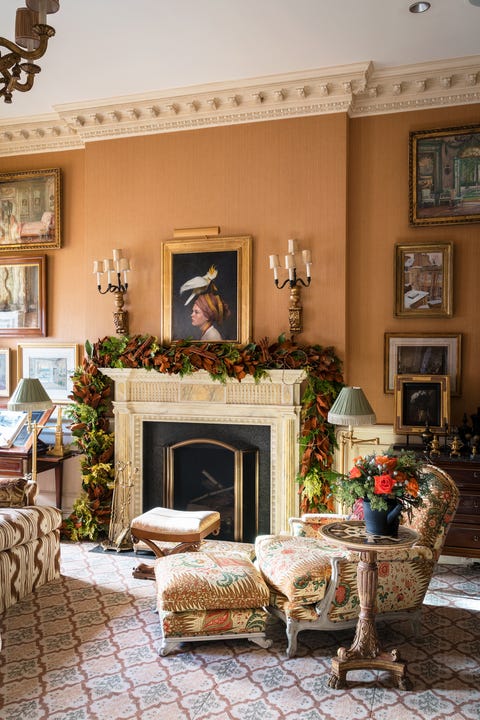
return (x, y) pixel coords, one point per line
(423, 370)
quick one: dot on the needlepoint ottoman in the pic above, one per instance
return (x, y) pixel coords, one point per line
(210, 596)
(186, 529)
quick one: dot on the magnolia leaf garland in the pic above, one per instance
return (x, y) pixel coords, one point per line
(91, 410)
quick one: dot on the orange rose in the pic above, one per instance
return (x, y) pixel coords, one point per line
(383, 484)
(355, 472)
(390, 463)
(412, 487)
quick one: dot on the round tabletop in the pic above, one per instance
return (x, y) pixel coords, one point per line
(352, 534)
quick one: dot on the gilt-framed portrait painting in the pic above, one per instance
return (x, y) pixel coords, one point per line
(30, 210)
(444, 180)
(421, 400)
(207, 289)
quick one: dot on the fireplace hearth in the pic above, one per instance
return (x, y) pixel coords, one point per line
(154, 412)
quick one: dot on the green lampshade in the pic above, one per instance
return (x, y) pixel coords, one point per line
(29, 395)
(351, 408)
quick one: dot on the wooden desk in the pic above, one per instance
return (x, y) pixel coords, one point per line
(365, 650)
(16, 463)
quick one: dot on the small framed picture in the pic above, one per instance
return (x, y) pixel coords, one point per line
(30, 210)
(4, 372)
(206, 289)
(425, 354)
(23, 439)
(421, 400)
(23, 293)
(444, 182)
(53, 365)
(423, 280)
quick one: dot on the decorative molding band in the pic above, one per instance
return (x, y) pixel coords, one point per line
(357, 89)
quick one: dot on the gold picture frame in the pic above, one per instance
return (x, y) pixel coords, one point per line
(52, 364)
(421, 400)
(23, 296)
(217, 268)
(423, 280)
(423, 354)
(443, 181)
(30, 210)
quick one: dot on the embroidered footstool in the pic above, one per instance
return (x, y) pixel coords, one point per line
(210, 596)
(186, 529)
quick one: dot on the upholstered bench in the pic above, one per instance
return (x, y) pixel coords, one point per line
(210, 596)
(185, 529)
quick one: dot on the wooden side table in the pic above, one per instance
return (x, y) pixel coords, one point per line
(365, 651)
(15, 463)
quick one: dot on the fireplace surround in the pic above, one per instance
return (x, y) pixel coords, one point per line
(272, 403)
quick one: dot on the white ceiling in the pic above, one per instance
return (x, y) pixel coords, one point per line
(111, 48)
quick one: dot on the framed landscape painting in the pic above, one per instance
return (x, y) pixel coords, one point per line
(444, 181)
(30, 210)
(206, 289)
(423, 280)
(23, 310)
(53, 365)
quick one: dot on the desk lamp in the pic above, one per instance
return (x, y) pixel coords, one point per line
(351, 408)
(30, 395)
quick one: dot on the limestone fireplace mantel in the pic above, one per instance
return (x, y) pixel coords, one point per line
(148, 396)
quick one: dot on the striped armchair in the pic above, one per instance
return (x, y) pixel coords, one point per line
(313, 585)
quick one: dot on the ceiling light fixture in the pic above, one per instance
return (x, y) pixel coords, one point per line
(419, 7)
(31, 37)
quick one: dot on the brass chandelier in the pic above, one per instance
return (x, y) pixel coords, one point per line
(31, 41)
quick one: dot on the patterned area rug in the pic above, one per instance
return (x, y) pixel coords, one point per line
(84, 648)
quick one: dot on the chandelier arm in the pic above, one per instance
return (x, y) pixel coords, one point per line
(45, 32)
(25, 86)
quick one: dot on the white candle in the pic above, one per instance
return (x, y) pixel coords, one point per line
(289, 261)
(292, 246)
(309, 272)
(307, 256)
(291, 273)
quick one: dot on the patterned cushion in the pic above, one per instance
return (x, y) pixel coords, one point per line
(208, 581)
(12, 491)
(212, 622)
(298, 567)
(19, 526)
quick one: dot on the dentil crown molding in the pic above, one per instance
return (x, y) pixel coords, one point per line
(358, 89)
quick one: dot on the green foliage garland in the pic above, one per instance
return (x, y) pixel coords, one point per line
(91, 409)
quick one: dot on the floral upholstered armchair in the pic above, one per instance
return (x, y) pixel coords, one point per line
(313, 585)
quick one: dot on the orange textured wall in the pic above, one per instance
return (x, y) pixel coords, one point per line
(339, 185)
(272, 180)
(378, 218)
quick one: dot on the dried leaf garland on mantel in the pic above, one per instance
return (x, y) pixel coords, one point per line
(91, 408)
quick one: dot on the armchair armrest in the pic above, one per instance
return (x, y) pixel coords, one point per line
(307, 525)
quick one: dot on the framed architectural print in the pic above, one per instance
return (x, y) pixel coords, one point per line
(445, 176)
(23, 310)
(423, 280)
(53, 365)
(421, 400)
(425, 354)
(23, 440)
(206, 289)
(4, 372)
(30, 210)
